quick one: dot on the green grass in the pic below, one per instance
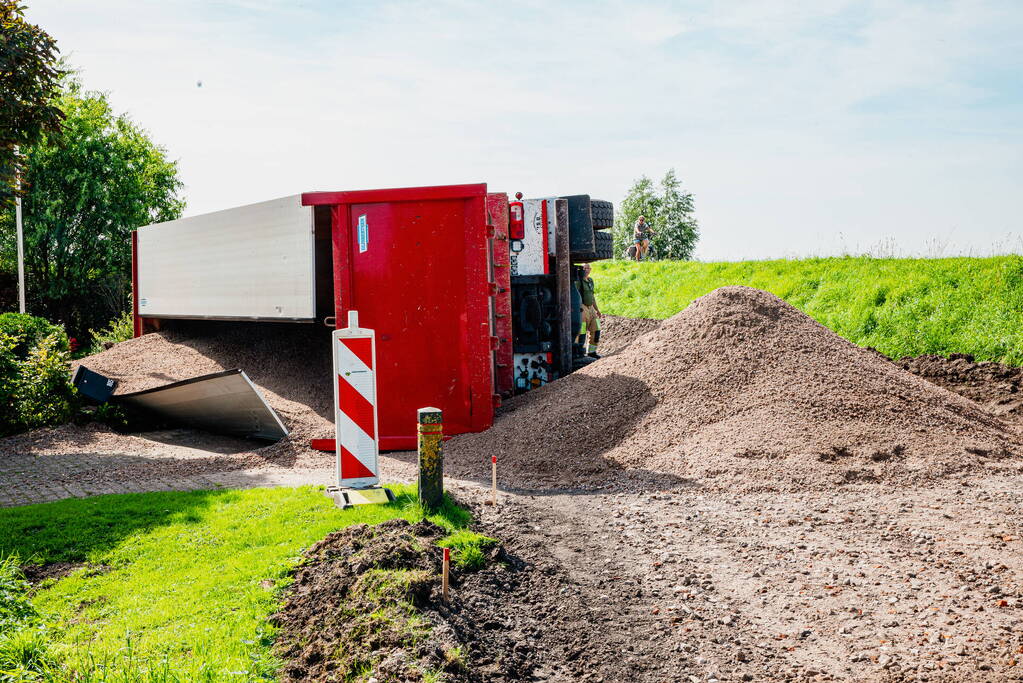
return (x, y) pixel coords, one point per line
(177, 585)
(902, 307)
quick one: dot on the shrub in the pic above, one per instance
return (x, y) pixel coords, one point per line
(35, 367)
(29, 330)
(9, 373)
(121, 328)
(45, 393)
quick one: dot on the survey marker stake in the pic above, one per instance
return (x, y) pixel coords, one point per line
(493, 481)
(446, 572)
(357, 473)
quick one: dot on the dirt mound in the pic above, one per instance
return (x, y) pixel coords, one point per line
(352, 604)
(994, 386)
(366, 602)
(739, 390)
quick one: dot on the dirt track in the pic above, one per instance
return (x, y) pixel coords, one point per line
(859, 585)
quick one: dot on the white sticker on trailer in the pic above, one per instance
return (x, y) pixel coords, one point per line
(363, 234)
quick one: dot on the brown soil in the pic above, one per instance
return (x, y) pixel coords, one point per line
(340, 619)
(508, 621)
(739, 391)
(617, 333)
(994, 386)
(37, 573)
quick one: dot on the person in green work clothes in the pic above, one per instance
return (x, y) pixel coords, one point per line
(591, 314)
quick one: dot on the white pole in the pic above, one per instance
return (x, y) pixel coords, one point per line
(21, 246)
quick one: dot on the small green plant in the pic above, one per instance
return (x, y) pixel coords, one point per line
(45, 393)
(24, 651)
(121, 328)
(470, 548)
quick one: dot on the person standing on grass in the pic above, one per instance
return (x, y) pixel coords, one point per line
(591, 313)
(641, 234)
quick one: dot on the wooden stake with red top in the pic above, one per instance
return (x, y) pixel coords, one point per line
(446, 572)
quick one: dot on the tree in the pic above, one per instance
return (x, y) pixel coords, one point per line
(89, 185)
(669, 211)
(29, 84)
(676, 227)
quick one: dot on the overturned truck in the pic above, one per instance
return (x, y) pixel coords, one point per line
(471, 293)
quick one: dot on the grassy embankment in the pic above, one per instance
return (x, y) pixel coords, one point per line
(177, 586)
(902, 307)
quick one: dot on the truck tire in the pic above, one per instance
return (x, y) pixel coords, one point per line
(603, 245)
(603, 214)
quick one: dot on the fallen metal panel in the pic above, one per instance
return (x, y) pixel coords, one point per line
(250, 262)
(224, 402)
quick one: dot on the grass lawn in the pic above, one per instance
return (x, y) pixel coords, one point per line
(177, 586)
(902, 307)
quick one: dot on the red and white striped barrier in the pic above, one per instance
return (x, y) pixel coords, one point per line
(355, 405)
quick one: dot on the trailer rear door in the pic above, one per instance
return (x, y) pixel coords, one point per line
(415, 264)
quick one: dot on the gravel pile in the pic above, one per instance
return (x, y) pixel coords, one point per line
(742, 391)
(290, 363)
(617, 333)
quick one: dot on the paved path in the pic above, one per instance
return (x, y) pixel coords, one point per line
(40, 476)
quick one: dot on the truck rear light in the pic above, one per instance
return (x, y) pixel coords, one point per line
(516, 222)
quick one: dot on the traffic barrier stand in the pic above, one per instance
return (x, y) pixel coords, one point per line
(357, 447)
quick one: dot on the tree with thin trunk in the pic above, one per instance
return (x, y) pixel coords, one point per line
(89, 186)
(29, 85)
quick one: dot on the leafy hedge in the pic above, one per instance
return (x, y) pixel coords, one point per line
(35, 374)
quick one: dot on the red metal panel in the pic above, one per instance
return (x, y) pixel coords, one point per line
(421, 281)
(398, 194)
(136, 320)
(497, 207)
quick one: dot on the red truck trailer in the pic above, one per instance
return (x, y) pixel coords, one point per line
(470, 293)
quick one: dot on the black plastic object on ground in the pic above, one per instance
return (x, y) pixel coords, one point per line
(93, 385)
(224, 402)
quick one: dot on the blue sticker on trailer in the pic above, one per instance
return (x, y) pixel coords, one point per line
(363, 234)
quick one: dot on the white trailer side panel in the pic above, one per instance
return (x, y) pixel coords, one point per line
(253, 261)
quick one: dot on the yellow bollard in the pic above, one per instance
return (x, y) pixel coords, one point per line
(431, 457)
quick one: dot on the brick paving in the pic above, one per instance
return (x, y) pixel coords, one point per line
(40, 477)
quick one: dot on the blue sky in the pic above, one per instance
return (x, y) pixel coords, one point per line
(802, 128)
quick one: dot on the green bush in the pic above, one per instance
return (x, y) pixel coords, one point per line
(121, 328)
(10, 371)
(35, 374)
(29, 330)
(45, 392)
